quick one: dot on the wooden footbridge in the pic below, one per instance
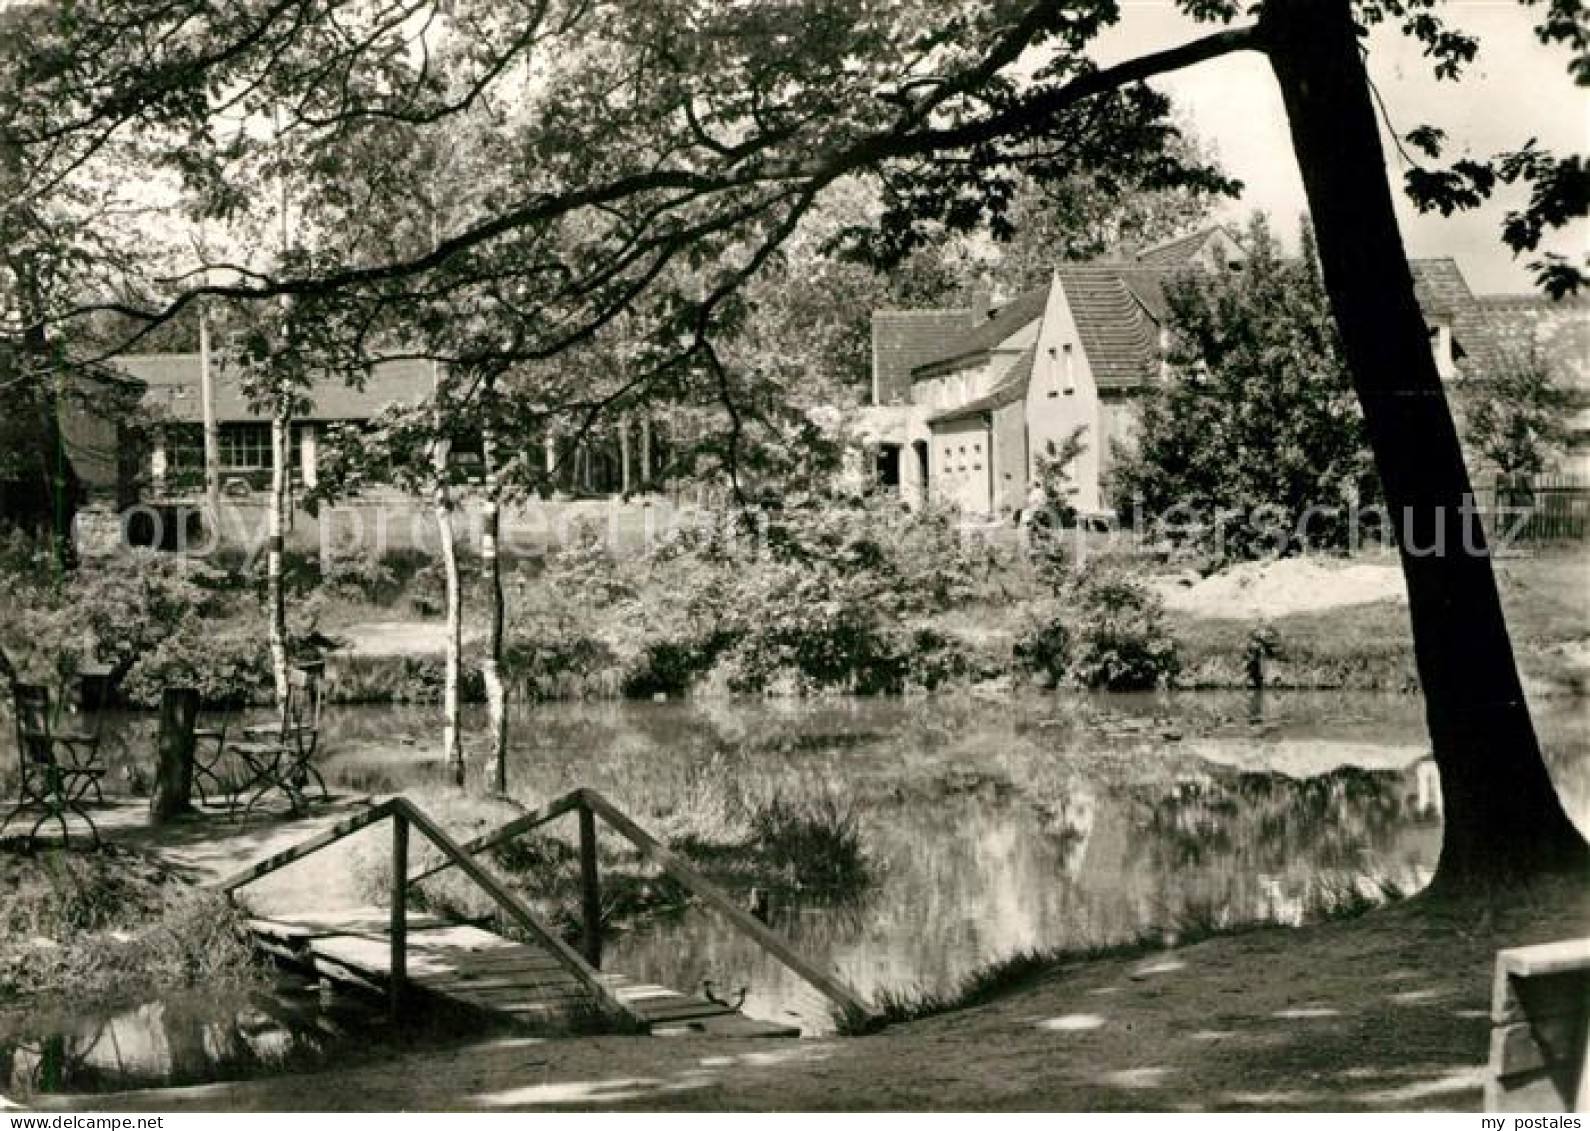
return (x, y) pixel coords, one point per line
(541, 981)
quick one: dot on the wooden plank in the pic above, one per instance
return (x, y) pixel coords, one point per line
(1537, 1092)
(452, 983)
(357, 921)
(1545, 958)
(1548, 995)
(1525, 1046)
(829, 985)
(397, 963)
(510, 965)
(590, 891)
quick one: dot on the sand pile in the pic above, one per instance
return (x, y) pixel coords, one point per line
(1261, 590)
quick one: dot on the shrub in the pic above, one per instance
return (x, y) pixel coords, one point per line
(1122, 642)
(1110, 633)
(556, 660)
(1045, 649)
(364, 579)
(114, 612)
(226, 668)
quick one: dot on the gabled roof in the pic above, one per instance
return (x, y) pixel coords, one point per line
(172, 389)
(904, 339)
(1117, 312)
(1008, 389)
(1119, 308)
(984, 335)
(1183, 251)
(1444, 294)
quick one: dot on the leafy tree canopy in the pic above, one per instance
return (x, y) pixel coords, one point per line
(1255, 422)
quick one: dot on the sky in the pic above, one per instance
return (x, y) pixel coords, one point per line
(1516, 89)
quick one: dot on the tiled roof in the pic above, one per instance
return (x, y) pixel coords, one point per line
(172, 389)
(1179, 252)
(1559, 329)
(1112, 306)
(984, 335)
(1008, 389)
(1119, 308)
(904, 339)
(1442, 293)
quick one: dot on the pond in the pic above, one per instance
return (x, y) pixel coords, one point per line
(990, 826)
(196, 1038)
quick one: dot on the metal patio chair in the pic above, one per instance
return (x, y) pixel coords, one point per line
(60, 768)
(280, 755)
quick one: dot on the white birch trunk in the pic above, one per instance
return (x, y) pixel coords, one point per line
(275, 600)
(452, 747)
(491, 566)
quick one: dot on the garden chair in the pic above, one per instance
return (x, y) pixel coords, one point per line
(209, 750)
(280, 755)
(59, 768)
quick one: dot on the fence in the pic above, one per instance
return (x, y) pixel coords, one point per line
(1540, 508)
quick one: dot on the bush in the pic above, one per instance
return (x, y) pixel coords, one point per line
(228, 668)
(1122, 642)
(114, 612)
(1045, 649)
(364, 579)
(1111, 633)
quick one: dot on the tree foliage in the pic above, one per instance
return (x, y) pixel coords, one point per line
(1516, 420)
(1255, 422)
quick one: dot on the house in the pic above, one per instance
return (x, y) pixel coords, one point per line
(966, 400)
(598, 463)
(173, 404)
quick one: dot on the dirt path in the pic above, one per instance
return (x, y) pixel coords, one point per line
(1387, 1012)
(213, 844)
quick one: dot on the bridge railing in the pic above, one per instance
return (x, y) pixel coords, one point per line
(405, 815)
(588, 804)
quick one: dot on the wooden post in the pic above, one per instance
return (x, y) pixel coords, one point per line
(400, 910)
(590, 890)
(179, 711)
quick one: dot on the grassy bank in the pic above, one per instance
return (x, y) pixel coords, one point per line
(113, 925)
(830, 601)
(1326, 901)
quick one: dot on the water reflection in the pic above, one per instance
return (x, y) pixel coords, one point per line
(199, 1037)
(993, 826)
(180, 1039)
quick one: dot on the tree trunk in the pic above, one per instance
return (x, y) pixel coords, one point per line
(645, 452)
(623, 456)
(1504, 820)
(173, 792)
(491, 566)
(276, 521)
(212, 429)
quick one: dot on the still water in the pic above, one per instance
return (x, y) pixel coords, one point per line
(990, 827)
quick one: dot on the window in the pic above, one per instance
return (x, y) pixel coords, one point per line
(245, 447)
(184, 447)
(1068, 379)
